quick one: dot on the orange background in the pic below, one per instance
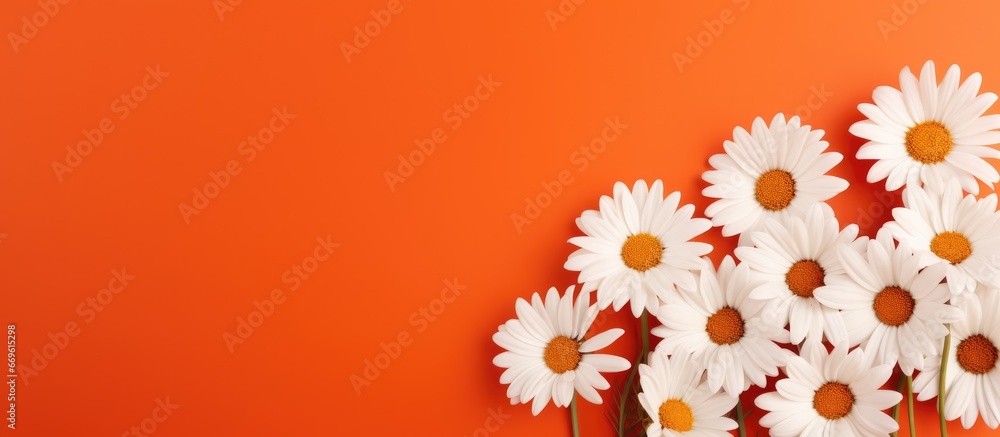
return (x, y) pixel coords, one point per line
(324, 175)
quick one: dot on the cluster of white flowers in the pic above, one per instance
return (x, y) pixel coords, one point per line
(921, 295)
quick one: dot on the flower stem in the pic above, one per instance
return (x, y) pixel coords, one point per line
(740, 417)
(644, 321)
(909, 406)
(626, 393)
(573, 416)
(895, 408)
(941, 384)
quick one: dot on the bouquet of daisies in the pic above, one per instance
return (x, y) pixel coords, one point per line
(827, 312)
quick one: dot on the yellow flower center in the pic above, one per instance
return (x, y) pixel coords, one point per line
(676, 415)
(929, 142)
(642, 252)
(725, 326)
(977, 354)
(833, 400)
(951, 246)
(775, 190)
(805, 277)
(562, 354)
(894, 306)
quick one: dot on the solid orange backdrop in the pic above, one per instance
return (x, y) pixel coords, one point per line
(198, 234)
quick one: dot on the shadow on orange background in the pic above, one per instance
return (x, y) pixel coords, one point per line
(199, 237)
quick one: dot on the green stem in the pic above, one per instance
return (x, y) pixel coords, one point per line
(909, 406)
(573, 416)
(644, 320)
(895, 408)
(626, 392)
(941, 384)
(740, 417)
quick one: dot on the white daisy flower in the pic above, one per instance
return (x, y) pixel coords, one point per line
(678, 400)
(895, 311)
(972, 379)
(792, 260)
(834, 394)
(961, 232)
(927, 133)
(770, 172)
(638, 247)
(546, 355)
(730, 335)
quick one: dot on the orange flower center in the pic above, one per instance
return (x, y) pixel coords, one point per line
(562, 354)
(775, 190)
(833, 400)
(977, 354)
(725, 326)
(929, 142)
(676, 415)
(642, 252)
(951, 246)
(894, 306)
(805, 277)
